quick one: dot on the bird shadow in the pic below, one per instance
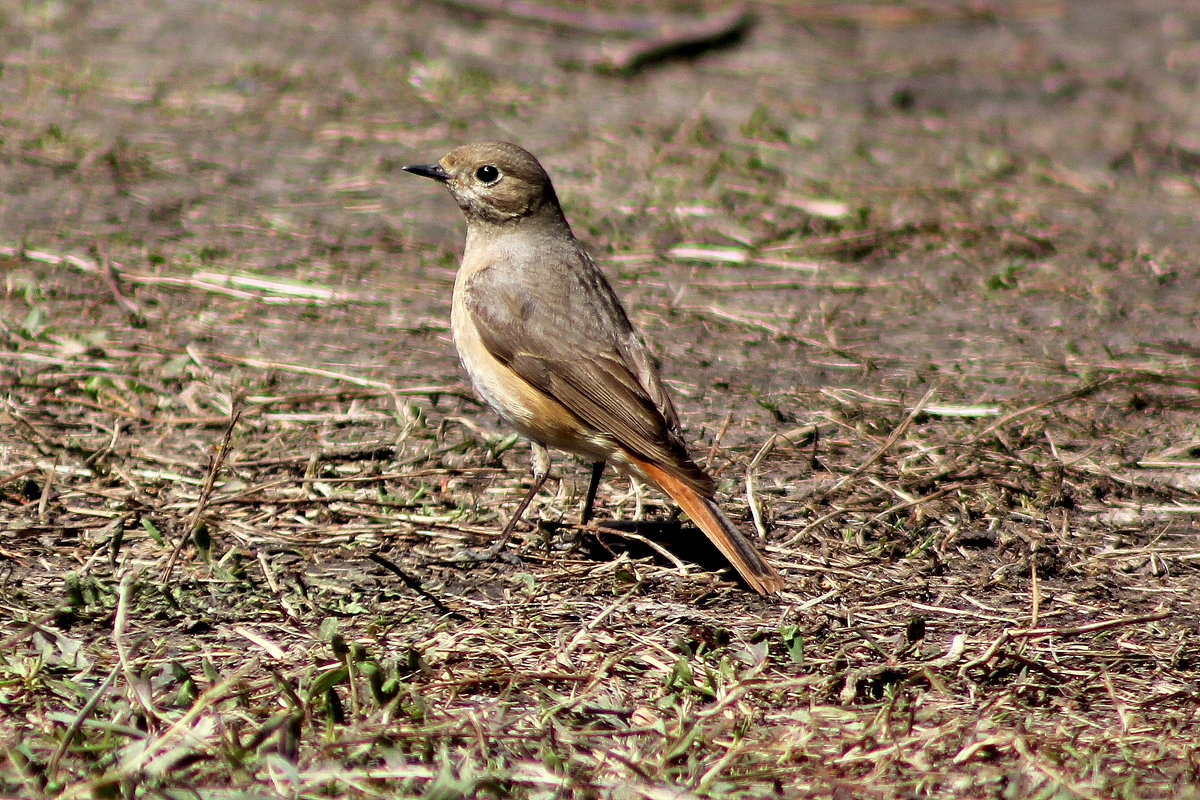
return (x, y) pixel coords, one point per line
(662, 541)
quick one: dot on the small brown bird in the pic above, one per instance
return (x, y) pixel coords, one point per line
(548, 345)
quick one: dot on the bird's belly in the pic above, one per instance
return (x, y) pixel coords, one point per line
(533, 413)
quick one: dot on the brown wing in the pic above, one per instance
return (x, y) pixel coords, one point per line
(557, 323)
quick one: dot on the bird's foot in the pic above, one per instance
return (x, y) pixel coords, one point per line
(497, 552)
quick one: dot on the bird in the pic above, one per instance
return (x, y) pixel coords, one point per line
(548, 345)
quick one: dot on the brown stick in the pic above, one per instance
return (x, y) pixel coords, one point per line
(658, 38)
(586, 21)
(681, 38)
(210, 481)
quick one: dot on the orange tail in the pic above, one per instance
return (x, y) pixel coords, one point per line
(744, 556)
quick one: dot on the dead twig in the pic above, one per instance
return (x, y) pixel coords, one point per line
(570, 19)
(1091, 627)
(1009, 634)
(270, 292)
(659, 36)
(792, 436)
(109, 273)
(415, 585)
(210, 480)
(681, 38)
(1081, 391)
(892, 438)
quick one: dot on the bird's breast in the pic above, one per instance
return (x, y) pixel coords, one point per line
(535, 414)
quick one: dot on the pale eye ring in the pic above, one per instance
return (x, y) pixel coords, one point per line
(487, 174)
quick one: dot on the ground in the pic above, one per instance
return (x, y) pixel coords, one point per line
(922, 277)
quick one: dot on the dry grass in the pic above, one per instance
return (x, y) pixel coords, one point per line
(919, 275)
(984, 600)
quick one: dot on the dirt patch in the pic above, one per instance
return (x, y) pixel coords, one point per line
(922, 278)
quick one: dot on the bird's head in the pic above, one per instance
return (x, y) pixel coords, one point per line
(493, 182)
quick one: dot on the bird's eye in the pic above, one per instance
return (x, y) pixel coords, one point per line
(487, 174)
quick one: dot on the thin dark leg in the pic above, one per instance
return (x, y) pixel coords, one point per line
(541, 469)
(590, 500)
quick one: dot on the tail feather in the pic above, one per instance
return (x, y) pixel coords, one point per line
(743, 555)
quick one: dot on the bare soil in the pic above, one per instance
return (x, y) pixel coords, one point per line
(923, 276)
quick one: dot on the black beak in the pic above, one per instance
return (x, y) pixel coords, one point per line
(432, 171)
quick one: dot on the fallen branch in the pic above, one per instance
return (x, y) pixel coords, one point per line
(677, 39)
(658, 38)
(585, 21)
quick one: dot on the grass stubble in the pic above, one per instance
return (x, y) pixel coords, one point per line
(239, 470)
(246, 577)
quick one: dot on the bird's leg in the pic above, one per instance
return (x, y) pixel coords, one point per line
(541, 470)
(590, 500)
